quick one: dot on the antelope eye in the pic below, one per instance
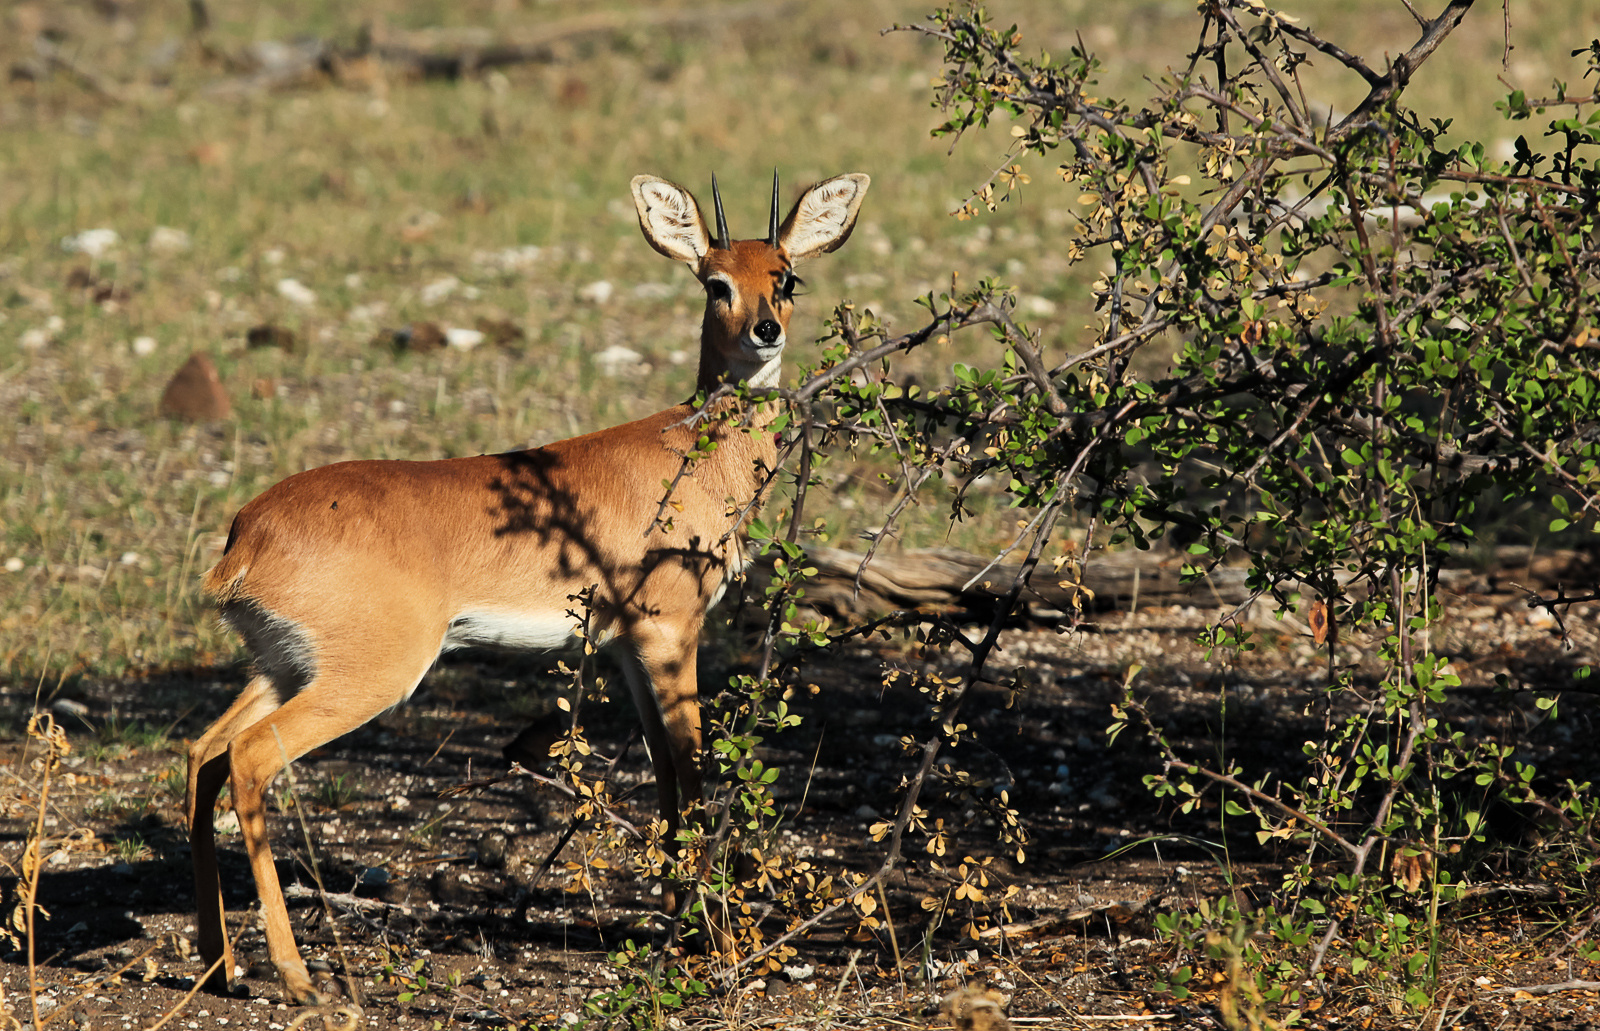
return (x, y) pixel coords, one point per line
(719, 290)
(789, 284)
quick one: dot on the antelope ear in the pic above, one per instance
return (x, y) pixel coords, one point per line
(670, 219)
(823, 216)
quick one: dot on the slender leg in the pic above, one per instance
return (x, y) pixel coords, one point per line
(664, 682)
(662, 679)
(351, 690)
(208, 771)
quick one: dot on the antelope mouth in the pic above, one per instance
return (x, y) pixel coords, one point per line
(755, 347)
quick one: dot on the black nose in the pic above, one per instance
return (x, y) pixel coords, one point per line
(768, 331)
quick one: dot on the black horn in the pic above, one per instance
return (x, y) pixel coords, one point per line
(723, 240)
(772, 223)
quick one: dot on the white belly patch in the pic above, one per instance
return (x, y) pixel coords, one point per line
(521, 631)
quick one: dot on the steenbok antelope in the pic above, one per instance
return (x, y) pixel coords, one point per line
(348, 581)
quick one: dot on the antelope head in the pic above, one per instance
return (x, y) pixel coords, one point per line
(749, 284)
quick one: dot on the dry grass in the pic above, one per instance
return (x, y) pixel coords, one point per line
(373, 192)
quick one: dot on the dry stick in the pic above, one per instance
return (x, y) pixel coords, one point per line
(1550, 989)
(1444, 1008)
(352, 906)
(1225, 16)
(950, 321)
(38, 696)
(52, 739)
(54, 55)
(1261, 796)
(797, 512)
(519, 771)
(759, 496)
(1053, 509)
(1089, 1018)
(907, 496)
(1385, 87)
(838, 990)
(724, 828)
(894, 941)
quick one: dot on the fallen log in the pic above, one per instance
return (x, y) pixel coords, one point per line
(456, 52)
(441, 53)
(948, 581)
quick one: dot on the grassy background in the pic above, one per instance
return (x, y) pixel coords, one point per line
(371, 190)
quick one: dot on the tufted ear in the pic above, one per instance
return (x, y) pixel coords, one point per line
(823, 216)
(670, 219)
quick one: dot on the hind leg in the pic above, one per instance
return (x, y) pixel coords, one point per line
(208, 771)
(347, 692)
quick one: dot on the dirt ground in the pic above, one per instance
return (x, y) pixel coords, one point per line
(442, 878)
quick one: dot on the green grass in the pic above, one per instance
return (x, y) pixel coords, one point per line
(111, 513)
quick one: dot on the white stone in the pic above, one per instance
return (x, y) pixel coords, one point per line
(94, 243)
(34, 339)
(296, 292)
(598, 292)
(440, 289)
(368, 312)
(510, 259)
(463, 339)
(616, 359)
(144, 346)
(167, 240)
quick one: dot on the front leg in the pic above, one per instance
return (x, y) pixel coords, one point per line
(660, 667)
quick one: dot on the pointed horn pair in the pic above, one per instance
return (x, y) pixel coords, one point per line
(723, 240)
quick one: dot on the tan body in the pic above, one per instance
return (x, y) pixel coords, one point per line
(348, 581)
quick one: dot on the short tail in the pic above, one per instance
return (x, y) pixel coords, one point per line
(225, 580)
